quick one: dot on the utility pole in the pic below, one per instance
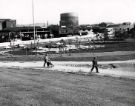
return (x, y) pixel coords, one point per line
(33, 23)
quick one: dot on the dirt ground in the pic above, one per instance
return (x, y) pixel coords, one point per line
(36, 87)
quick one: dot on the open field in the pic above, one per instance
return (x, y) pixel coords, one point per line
(110, 52)
(84, 48)
(30, 87)
(102, 56)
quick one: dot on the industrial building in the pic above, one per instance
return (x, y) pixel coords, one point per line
(7, 23)
(68, 24)
(23, 33)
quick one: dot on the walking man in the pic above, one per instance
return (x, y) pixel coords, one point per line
(94, 65)
(45, 59)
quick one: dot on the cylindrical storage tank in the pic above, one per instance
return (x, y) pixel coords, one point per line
(68, 19)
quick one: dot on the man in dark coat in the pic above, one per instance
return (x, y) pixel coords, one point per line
(45, 59)
(94, 65)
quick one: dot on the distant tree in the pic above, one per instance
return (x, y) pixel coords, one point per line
(105, 34)
(121, 35)
(62, 42)
(103, 24)
(54, 29)
(104, 31)
(98, 30)
(131, 33)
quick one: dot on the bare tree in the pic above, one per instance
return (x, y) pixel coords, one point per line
(69, 43)
(62, 46)
(78, 42)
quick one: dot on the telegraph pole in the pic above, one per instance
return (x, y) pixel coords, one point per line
(33, 23)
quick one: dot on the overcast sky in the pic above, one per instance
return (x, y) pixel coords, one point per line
(89, 11)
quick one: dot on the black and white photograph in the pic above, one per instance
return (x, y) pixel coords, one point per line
(67, 52)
